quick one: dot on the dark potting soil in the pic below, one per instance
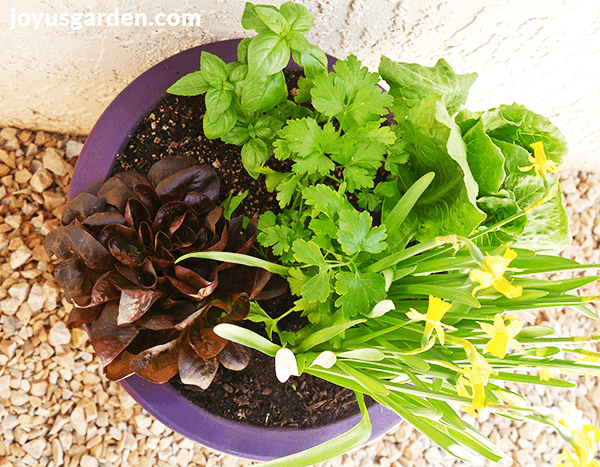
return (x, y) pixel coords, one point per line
(253, 395)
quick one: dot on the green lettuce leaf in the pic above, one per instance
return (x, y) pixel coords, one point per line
(411, 82)
(485, 159)
(434, 143)
(547, 228)
(514, 123)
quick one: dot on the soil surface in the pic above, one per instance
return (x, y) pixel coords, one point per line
(253, 395)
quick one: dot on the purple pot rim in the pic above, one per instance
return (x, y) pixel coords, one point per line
(96, 161)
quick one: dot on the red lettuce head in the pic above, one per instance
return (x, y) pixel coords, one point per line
(147, 314)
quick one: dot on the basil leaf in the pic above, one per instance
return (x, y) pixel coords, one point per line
(217, 100)
(272, 19)
(191, 84)
(309, 57)
(213, 69)
(254, 154)
(297, 16)
(411, 82)
(263, 92)
(218, 125)
(268, 53)
(251, 20)
(242, 51)
(266, 127)
(238, 135)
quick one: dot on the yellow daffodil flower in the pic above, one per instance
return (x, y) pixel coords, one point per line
(540, 162)
(584, 439)
(492, 275)
(502, 336)
(436, 310)
(475, 377)
(462, 391)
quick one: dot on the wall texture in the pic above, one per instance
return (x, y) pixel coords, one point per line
(539, 53)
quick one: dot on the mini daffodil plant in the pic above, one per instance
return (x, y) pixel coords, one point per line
(410, 285)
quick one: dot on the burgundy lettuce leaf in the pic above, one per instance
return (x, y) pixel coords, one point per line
(74, 278)
(241, 241)
(201, 179)
(81, 207)
(118, 189)
(157, 364)
(241, 279)
(73, 241)
(193, 369)
(234, 356)
(167, 167)
(192, 284)
(119, 368)
(169, 314)
(80, 316)
(135, 302)
(99, 220)
(142, 276)
(203, 338)
(104, 290)
(109, 339)
(148, 338)
(236, 308)
(147, 196)
(136, 213)
(200, 203)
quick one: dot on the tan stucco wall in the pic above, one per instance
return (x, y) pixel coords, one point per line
(540, 53)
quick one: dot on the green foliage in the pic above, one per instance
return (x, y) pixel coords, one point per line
(438, 174)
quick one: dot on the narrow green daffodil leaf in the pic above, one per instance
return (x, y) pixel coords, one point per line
(323, 335)
(246, 337)
(371, 385)
(399, 212)
(585, 311)
(363, 354)
(238, 259)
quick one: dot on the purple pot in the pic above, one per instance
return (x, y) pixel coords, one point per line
(108, 137)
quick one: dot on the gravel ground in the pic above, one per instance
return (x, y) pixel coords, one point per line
(57, 409)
